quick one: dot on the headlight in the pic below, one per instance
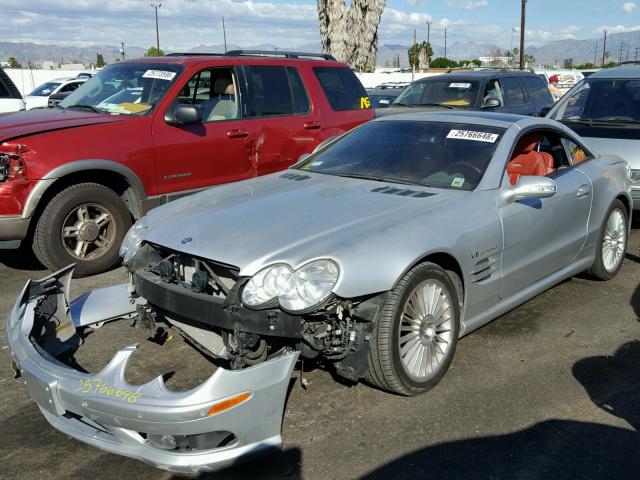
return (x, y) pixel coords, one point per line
(297, 290)
(635, 177)
(133, 240)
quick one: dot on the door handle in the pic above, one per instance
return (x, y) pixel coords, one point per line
(237, 133)
(312, 125)
(583, 190)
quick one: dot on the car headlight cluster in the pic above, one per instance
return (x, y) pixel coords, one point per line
(296, 290)
(635, 177)
(133, 240)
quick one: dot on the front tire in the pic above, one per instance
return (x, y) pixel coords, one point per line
(83, 224)
(415, 338)
(612, 243)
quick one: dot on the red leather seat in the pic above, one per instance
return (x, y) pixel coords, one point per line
(549, 162)
(527, 161)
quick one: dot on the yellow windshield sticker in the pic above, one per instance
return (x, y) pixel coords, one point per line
(457, 103)
(365, 102)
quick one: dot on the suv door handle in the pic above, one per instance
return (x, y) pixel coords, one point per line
(583, 190)
(237, 133)
(312, 125)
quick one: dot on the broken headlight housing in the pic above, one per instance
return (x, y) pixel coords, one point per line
(11, 167)
(296, 290)
(133, 240)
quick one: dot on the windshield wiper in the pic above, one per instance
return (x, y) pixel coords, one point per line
(402, 104)
(436, 105)
(85, 107)
(380, 178)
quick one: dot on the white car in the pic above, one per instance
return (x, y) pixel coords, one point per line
(10, 98)
(39, 97)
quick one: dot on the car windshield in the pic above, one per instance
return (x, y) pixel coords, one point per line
(45, 89)
(446, 92)
(436, 154)
(605, 100)
(124, 89)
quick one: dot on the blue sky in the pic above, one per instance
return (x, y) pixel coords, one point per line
(291, 23)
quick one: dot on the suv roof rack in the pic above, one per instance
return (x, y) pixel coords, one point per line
(630, 62)
(279, 53)
(505, 69)
(189, 54)
(256, 53)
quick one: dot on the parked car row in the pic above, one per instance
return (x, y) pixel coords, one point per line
(370, 247)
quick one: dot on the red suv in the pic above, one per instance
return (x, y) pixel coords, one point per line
(144, 132)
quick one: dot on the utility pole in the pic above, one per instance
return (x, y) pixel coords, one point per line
(122, 50)
(511, 46)
(224, 34)
(415, 55)
(621, 48)
(595, 54)
(628, 52)
(445, 42)
(156, 6)
(429, 44)
(523, 15)
(604, 49)
(637, 50)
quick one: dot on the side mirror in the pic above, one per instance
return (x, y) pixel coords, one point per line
(545, 111)
(183, 114)
(491, 103)
(530, 187)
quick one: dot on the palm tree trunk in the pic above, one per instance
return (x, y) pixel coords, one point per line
(351, 33)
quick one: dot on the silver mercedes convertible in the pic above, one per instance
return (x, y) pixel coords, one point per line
(372, 257)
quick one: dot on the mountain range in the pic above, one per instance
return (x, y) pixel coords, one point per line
(580, 51)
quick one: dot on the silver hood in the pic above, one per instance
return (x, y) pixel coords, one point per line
(627, 149)
(258, 222)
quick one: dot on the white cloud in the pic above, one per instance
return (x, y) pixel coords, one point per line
(617, 29)
(629, 7)
(468, 4)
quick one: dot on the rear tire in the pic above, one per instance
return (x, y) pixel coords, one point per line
(415, 338)
(83, 224)
(612, 243)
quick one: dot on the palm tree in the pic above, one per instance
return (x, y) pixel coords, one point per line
(351, 33)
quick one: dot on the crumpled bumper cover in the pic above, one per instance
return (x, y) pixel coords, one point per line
(142, 421)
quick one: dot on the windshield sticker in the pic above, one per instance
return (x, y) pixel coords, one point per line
(159, 74)
(457, 182)
(365, 103)
(459, 85)
(471, 135)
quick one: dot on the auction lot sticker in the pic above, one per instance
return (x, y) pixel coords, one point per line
(159, 74)
(471, 135)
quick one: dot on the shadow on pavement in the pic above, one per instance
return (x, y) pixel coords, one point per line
(21, 258)
(555, 449)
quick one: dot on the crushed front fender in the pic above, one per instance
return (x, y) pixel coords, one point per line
(232, 414)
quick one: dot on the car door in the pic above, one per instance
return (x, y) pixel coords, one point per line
(218, 150)
(538, 95)
(546, 235)
(287, 123)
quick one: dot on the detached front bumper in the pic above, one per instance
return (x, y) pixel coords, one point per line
(187, 431)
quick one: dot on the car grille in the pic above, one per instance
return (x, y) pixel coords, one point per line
(195, 274)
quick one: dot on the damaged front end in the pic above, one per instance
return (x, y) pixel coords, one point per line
(233, 413)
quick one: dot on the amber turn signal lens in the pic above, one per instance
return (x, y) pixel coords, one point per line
(223, 405)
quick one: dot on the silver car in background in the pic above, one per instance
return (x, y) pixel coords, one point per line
(374, 255)
(604, 109)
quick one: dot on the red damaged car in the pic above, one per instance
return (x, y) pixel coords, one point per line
(144, 132)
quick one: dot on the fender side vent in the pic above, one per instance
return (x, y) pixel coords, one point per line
(403, 192)
(484, 269)
(294, 176)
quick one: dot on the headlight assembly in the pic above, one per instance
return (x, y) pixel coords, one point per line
(296, 291)
(133, 240)
(635, 177)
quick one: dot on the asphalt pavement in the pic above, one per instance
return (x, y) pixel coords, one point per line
(550, 390)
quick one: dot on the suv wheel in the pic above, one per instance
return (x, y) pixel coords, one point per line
(83, 224)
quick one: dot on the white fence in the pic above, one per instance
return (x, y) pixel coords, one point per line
(27, 80)
(371, 80)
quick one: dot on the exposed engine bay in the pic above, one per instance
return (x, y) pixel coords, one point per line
(202, 299)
